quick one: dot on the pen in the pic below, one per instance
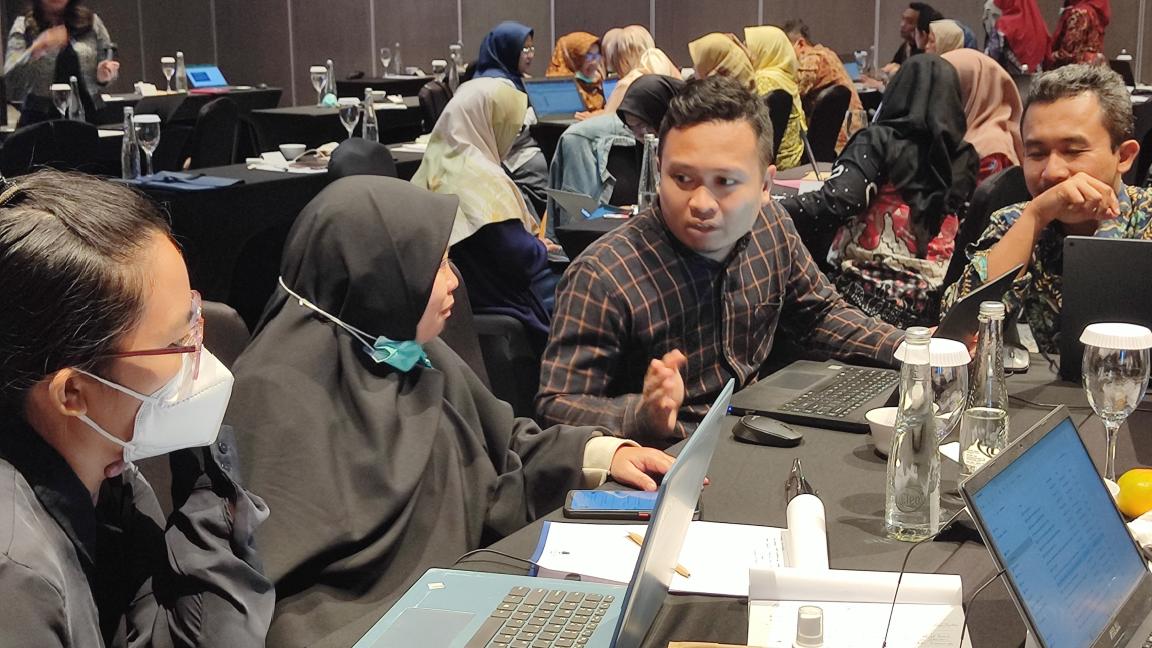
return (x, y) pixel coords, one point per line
(639, 540)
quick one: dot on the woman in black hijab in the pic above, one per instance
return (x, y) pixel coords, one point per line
(895, 198)
(378, 460)
(646, 101)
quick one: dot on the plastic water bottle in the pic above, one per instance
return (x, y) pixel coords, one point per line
(453, 77)
(371, 125)
(984, 426)
(129, 149)
(181, 73)
(75, 106)
(397, 62)
(330, 79)
(647, 191)
(912, 491)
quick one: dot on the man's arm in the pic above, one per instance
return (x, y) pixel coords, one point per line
(832, 325)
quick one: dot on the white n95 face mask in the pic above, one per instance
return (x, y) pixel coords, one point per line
(184, 413)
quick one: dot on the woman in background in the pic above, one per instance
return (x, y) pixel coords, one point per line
(578, 55)
(632, 54)
(992, 109)
(1079, 36)
(1016, 36)
(506, 53)
(775, 61)
(643, 108)
(55, 40)
(724, 55)
(944, 36)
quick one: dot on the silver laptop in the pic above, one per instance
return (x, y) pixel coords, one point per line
(1077, 576)
(461, 609)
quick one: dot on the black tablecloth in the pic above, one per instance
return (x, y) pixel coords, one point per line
(185, 106)
(408, 86)
(317, 125)
(747, 486)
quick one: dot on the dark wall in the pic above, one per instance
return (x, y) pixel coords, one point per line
(274, 41)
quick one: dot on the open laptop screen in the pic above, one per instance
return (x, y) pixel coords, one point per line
(205, 76)
(554, 97)
(1060, 539)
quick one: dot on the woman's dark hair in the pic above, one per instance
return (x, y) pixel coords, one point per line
(70, 248)
(720, 98)
(77, 18)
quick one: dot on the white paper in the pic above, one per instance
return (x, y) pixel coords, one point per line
(410, 147)
(109, 132)
(807, 186)
(856, 606)
(718, 556)
(806, 540)
(951, 450)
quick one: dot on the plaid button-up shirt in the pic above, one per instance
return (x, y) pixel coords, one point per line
(638, 293)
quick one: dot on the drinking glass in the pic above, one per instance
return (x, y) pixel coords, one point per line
(319, 76)
(168, 65)
(385, 59)
(1115, 380)
(148, 135)
(61, 94)
(950, 394)
(349, 113)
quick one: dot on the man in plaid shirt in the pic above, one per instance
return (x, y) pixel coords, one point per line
(655, 317)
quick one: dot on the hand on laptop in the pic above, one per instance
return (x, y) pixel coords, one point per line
(663, 394)
(635, 466)
(1079, 199)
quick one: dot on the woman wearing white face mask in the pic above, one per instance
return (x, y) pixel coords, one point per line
(102, 365)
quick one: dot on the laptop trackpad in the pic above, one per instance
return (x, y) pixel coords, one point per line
(421, 627)
(801, 380)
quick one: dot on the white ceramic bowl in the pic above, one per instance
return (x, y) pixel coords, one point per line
(882, 426)
(292, 151)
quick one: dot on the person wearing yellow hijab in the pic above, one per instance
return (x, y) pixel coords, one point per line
(774, 60)
(578, 55)
(723, 55)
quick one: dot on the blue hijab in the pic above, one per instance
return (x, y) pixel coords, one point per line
(500, 52)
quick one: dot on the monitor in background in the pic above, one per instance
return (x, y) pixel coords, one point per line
(1073, 568)
(853, 69)
(554, 96)
(205, 76)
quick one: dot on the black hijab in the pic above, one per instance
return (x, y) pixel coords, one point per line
(359, 156)
(918, 136)
(375, 475)
(647, 98)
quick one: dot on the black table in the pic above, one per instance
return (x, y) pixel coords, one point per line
(317, 125)
(747, 486)
(184, 106)
(407, 86)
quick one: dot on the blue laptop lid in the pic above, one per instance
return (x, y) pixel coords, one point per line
(554, 96)
(205, 76)
(610, 87)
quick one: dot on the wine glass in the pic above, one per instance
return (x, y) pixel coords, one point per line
(168, 65)
(61, 94)
(319, 76)
(148, 135)
(349, 113)
(1115, 376)
(385, 59)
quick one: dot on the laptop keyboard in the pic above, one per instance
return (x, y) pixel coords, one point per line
(542, 618)
(851, 388)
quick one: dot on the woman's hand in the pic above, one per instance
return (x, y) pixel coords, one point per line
(107, 71)
(49, 41)
(635, 466)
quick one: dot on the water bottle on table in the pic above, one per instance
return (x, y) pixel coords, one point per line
(984, 426)
(371, 124)
(912, 489)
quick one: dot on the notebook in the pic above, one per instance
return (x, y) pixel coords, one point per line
(1075, 573)
(461, 609)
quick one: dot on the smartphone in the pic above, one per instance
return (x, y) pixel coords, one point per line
(611, 505)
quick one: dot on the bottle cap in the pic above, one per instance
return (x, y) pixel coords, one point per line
(942, 353)
(1115, 335)
(809, 627)
(992, 309)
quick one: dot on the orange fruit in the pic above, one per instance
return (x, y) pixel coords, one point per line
(1135, 498)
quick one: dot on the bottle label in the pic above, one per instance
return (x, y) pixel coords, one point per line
(911, 499)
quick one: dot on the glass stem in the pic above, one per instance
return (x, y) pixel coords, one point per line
(1111, 428)
(148, 159)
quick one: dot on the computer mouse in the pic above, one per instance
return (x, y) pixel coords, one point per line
(1016, 360)
(762, 430)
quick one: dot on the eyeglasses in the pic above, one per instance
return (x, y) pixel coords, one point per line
(192, 342)
(529, 50)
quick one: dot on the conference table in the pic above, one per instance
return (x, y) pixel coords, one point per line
(183, 106)
(747, 487)
(317, 125)
(407, 86)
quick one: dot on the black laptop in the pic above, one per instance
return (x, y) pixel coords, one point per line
(1105, 280)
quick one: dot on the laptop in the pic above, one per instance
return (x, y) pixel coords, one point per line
(554, 97)
(461, 609)
(829, 395)
(205, 76)
(610, 86)
(1075, 573)
(1105, 280)
(853, 70)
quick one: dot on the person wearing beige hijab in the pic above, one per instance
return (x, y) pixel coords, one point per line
(944, 36)
(723, 55)
(774, 60)
(631, 53)
(992, 108)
